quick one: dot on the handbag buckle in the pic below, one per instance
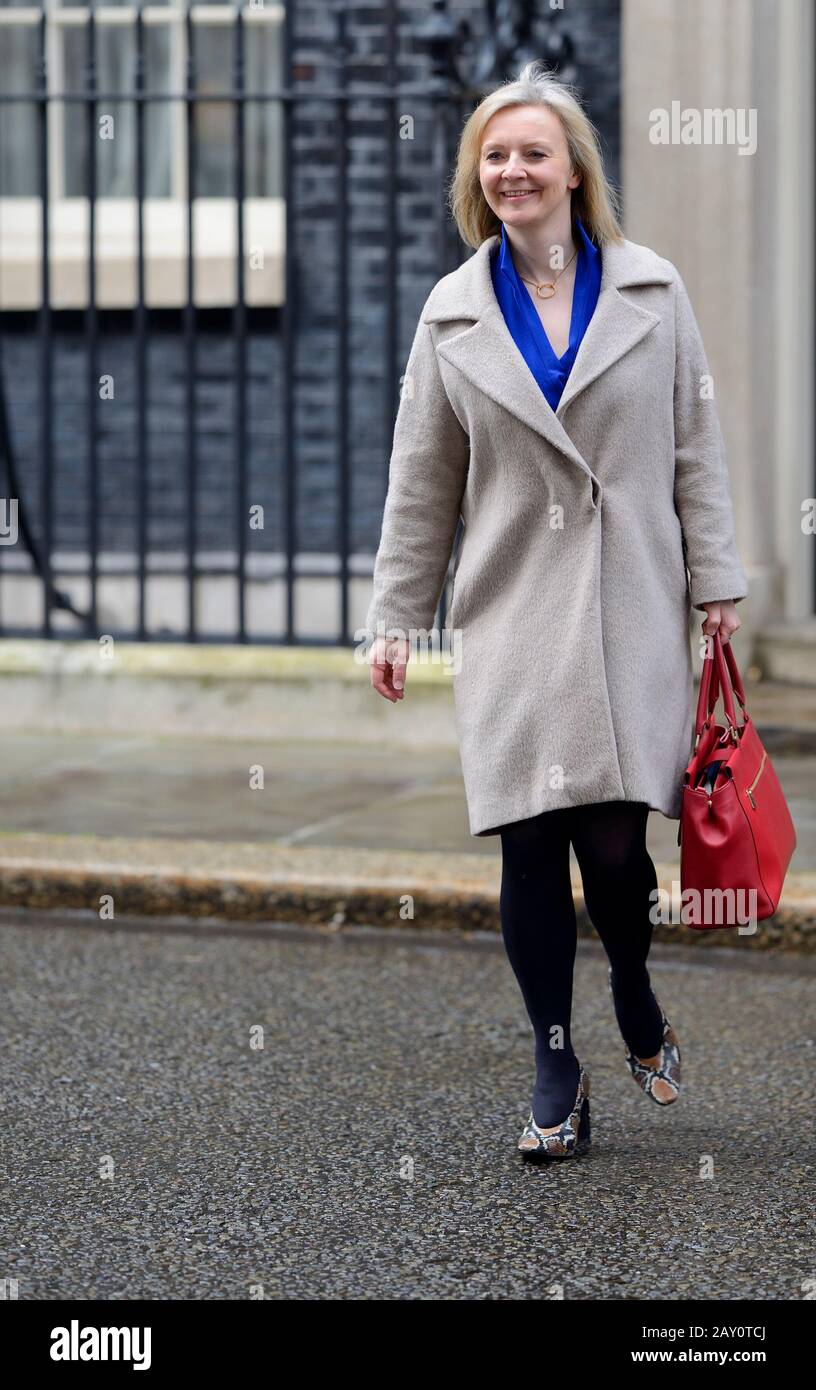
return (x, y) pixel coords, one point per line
(700, 735)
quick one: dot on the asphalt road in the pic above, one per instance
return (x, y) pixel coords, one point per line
(367, 1150)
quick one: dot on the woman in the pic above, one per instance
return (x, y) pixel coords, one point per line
(558, 398)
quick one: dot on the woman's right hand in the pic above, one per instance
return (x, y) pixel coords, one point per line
(388, 658)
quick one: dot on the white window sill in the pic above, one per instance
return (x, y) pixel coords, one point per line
(165, 226)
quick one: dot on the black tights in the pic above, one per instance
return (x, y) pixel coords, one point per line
(540, 933)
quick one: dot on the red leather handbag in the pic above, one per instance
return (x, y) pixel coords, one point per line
(736, 832)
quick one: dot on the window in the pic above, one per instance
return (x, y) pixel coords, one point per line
(165, 56)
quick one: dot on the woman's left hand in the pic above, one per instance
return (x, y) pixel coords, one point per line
(722, 618)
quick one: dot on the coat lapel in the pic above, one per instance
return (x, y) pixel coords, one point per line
(487, 355)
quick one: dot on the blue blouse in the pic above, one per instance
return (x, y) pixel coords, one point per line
(521, 315)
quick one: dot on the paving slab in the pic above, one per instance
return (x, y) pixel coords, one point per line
(313, 828)
(313, 793)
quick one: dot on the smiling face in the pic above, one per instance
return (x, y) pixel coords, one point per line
(524, 152)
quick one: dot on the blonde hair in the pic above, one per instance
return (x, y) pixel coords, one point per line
(594, 200)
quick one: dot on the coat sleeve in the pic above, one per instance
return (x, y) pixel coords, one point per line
(426, 480)
(702, 494)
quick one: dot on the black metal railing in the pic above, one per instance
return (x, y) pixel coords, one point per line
(450, 95)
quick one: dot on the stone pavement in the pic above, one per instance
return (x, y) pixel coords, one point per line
(339, 832)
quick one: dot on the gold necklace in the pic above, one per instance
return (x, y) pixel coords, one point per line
(549, 284)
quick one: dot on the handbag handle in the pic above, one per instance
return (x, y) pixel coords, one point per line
(719, 672)
(709, 686)
(718, 682)
(733, 671)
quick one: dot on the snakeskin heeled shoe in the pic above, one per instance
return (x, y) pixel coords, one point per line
(669, 1070)
(572, 1137)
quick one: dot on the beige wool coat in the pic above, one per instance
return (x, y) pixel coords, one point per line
(589, 534)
